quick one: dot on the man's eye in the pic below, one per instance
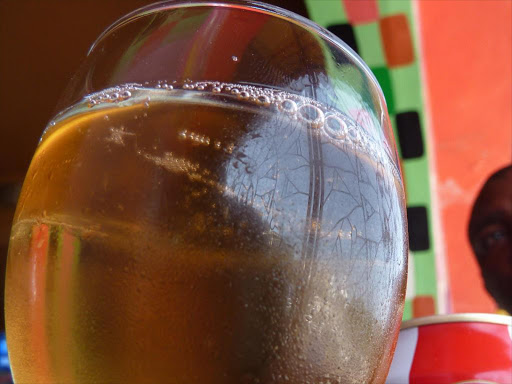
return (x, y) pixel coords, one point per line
(492, 237)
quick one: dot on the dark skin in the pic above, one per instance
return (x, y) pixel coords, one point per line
(490, 234)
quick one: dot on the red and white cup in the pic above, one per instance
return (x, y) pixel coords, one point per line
(454, 349)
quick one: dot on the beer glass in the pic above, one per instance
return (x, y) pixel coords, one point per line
(218, 200)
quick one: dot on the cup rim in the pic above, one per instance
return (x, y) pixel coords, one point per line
(247, 5)
(490, 318)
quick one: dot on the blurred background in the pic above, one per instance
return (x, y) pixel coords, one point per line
(445, 67)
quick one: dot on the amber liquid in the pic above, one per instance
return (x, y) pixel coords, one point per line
(185, 237)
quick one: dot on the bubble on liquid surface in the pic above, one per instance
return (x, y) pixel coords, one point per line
(288, 106)
(311, 114)
(263, 99)
(112, 95)
(244, 95)
(335, 127)
(353, 133)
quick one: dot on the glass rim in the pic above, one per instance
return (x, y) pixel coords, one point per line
(251, 5)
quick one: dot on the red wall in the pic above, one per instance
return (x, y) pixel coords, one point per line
(467, 52)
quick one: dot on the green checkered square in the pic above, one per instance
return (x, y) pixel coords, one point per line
(407, 310)
(384, 79)
(326, 12)
(406, 88)
(416, 181)
(369, 43)
(425, 273)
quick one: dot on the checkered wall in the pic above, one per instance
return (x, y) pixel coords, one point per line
(381, 32)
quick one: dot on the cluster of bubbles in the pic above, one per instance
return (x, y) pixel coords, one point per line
(192, 171)
(194, 137)
(112, 95)
(200, 139)
(328, 122)
(337, 127)
(162, 84)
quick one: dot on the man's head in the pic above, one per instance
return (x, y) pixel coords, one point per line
(490, 234)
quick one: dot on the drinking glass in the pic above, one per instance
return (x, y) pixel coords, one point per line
(218, 200)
